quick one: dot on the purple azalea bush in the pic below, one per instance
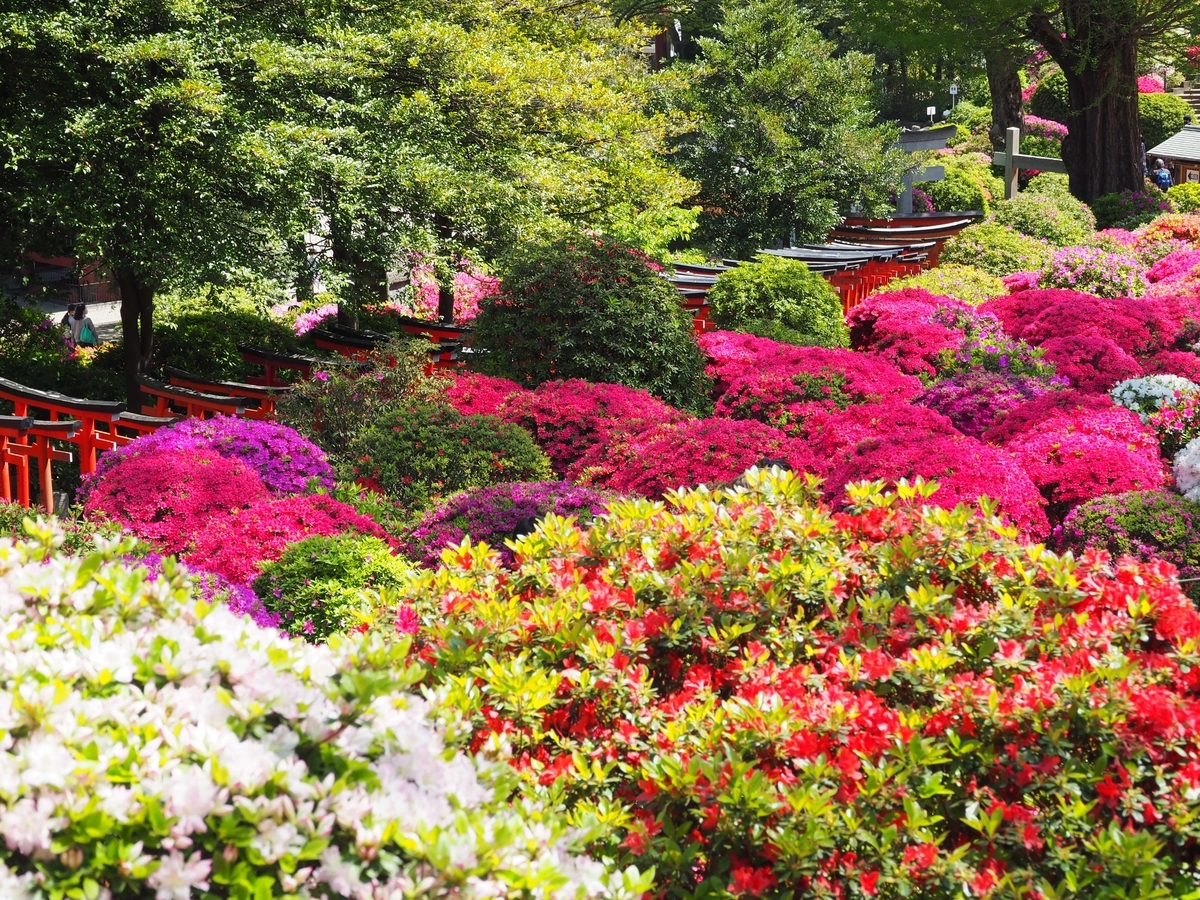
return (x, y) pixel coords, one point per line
(287, 462)
(495, 514)
(1095, 271)
(974, 400)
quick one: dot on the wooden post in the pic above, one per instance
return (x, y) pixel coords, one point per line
(1012, 146)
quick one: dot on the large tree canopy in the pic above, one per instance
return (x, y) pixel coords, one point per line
(176, 142)
(786, 141)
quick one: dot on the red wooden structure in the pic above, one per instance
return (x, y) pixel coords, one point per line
(26, 447)
(260, 401)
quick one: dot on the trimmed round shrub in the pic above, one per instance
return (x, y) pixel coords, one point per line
(1161, 117)
(996, 249)
(781, 296)
(1135, 325)
(973, 401)
(286, 462)
(1090, 362)
(1183, 363)
(235, 547)
(1185, 197)
(1051, 99)
(591, 308)
(969, 284)
(1051, 219)
(1129, 209)
(1095, 271)
(1151, 393)
(1043, 137)
(684, 454)
(168, 749)
(957, 192)
(169, 498)
(319, 586)
(823, 667)
(1049, 184)
(964, 468)
(417, 456)
(567, 418)
(494, 515)
(1146, 525)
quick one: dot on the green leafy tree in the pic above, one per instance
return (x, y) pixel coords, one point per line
(785, 142)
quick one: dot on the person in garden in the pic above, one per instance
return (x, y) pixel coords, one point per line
(1161, 175)
(83, 331)
(65, 322)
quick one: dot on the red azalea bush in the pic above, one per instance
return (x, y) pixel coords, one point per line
(1173, 362)
(1068, 403)
(235, 546)
(831, 433)
(765, 698)
(684, 454)
(1070, 467)
(473, 394)
(1090, 362)
(1018, 309)
(965, 469)
(567, 418)
(169, 498)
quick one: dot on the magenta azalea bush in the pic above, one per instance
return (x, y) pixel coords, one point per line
(974, 400)
(286, 462)
(1090, 362)
(493, 515)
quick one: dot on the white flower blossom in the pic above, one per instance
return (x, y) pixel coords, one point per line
(175, 877)
(1151, 392)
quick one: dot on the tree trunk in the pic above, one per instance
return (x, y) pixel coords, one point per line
(137, 331)
(1004, 84)
(1103, 148)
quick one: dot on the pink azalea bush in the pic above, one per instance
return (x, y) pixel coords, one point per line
(965, 469)
(1173, 362)
(1090, 362)
(1071, 467)
(471, 286)
(568, 418)
(684, 454)
(1150, 84)
(169, 498)
(1135, 325)
(1072, 404)
(235, 546)
(833, 433)
(1021, 281)
(1096, 271)
(473, 394)
(908, 328)
(306, 322)
(1174, 267)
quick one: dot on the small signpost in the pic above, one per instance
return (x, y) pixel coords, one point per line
(1013, 161)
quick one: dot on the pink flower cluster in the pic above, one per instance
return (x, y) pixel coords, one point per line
(306, 322)
(1150, 84)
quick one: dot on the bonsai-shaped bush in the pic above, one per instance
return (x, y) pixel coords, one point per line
(320, 586)
(996, 249)
(969, 284)
(1095, 271)
(1149, 394)
(1052, 219)
(235, 547)
(421, 454)
(591, 308)
(1130, 209)
(1185, 197)
(771, 684)
(1146, 525)
(495, 515)
(178, 751)
(715, 451)
(286, 462)
(168, 498)
(337, 403)
(567, 418)
(781, 295)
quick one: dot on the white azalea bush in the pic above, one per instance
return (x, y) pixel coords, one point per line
(1187, 470)
(1151, 392)
(158, 747)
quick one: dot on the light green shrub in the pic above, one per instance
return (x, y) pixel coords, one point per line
(997, 249)
(966, 283)
(779, 298)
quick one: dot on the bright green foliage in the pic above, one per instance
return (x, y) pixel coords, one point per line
(1062, 221)
(1054, 185)
(997, 250)
(969, 185)
(421, 454)
(591, 308)
(1051, 100)
(781, 296)
(1162, 117)
(338, 403)
(158, 746)
(746, 689)
(966, 283)
(322, 585)
(1185, 197)
(975, 119)
(785, 139)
